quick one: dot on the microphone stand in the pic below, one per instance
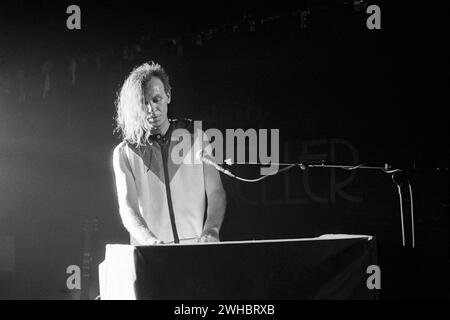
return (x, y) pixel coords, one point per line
(398, 177)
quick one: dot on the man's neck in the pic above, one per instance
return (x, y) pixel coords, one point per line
(163, 128)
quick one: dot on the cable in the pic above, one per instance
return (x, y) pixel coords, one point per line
(392, 171)
(262, 177)
(355, 167)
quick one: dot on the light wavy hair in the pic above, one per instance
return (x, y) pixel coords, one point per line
(131, 112)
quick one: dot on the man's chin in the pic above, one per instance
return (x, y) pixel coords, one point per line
(155, 128)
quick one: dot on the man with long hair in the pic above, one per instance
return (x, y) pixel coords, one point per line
(161, 200)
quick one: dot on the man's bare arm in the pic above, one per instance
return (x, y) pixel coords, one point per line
(216, 204)
(128, 202)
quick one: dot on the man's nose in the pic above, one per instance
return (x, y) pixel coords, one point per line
(151, 107)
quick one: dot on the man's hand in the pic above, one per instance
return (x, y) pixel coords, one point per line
(209, 237)
(152, 242)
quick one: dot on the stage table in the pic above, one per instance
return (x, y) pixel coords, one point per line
(326, 267)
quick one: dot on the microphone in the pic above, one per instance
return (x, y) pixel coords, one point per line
(202, 158)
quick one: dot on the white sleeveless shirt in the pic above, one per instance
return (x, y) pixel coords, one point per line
(165, 186)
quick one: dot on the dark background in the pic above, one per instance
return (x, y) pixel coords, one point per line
(332, 81)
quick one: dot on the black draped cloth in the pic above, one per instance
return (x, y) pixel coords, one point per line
(328, 267)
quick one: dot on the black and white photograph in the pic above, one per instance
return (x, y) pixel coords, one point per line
(222, 157)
